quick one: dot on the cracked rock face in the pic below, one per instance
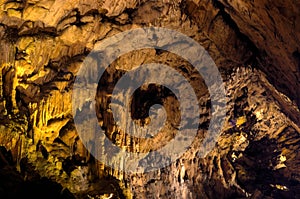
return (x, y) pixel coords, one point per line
(255, 45)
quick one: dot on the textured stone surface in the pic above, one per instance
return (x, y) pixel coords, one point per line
(255, 45)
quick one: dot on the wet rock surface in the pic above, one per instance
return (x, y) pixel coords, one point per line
(255, 45)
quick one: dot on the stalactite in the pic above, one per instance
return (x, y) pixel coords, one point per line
(20, 151)
(40, 42)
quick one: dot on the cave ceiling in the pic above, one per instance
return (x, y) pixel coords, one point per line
(44, 46)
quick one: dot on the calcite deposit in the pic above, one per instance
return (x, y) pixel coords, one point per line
(254, 44)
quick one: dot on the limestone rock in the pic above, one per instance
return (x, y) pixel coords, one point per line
(255, 45)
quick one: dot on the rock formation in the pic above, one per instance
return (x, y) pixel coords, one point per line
(255, 45)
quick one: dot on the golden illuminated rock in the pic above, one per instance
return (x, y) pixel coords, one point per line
(255, 45)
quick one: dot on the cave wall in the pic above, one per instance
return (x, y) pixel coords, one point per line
(43, 44)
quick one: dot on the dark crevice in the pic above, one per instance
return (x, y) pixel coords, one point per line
(232, 24)
(296, 55)
(11, 34)
(27, 183)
